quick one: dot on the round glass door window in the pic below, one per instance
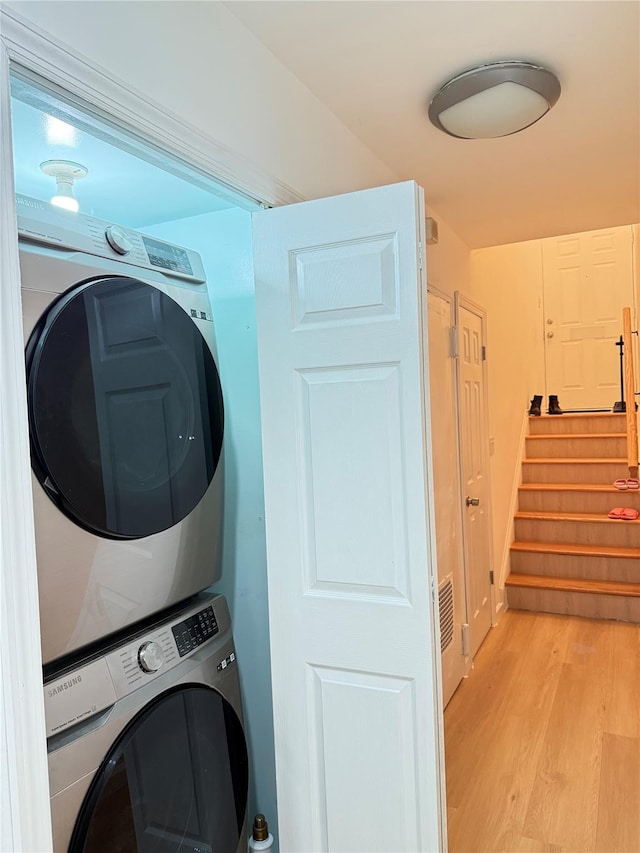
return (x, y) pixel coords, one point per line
(175, 780)
(125, 408)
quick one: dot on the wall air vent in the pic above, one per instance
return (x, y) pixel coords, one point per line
(445, 601)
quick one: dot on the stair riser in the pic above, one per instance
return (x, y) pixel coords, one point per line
(625, 534)
(591, 605)
(585, 423)
(572, 472)
(572, 566)
(562, 501)
(550, 446)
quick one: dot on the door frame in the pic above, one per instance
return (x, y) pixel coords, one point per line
(462, 301)
(24, 791)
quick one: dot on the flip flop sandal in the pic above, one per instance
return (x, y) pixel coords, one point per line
(621, 485)
(632, 483)
(617, 512)
(629, 514)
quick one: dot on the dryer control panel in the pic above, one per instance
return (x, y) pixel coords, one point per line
(40, 222)
(92, 687)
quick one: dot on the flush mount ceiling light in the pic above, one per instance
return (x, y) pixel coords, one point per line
(494, 100)
(65, 172)
(59, 132)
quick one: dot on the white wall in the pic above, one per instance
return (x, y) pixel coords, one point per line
(448, 260)
(224, 241)
(199, 62)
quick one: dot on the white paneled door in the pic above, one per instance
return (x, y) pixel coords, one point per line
(341, 302)
(475, 468)
(588, 280)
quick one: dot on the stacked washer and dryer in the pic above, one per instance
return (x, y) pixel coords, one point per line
(142, 700)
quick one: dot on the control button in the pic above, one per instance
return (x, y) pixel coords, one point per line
(226, 662)
(150, 656)
(118, 240)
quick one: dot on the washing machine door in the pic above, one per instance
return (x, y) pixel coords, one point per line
(125, 408)
(176, 780)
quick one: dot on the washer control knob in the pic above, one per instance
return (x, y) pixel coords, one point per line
(150, 656)
(118, 240)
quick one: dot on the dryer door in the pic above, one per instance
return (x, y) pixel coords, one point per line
(125, 408)
(175, 780)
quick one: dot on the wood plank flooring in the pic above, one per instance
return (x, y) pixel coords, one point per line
(542, 740)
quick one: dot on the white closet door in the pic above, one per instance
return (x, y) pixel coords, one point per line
(474, 447)
(341, 302)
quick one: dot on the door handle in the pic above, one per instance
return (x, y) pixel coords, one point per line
(549, 334)
(472, 501)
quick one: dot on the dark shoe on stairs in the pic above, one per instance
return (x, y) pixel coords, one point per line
(554, 406)
(534, 408)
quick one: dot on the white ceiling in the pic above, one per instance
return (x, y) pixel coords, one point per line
(377, 64)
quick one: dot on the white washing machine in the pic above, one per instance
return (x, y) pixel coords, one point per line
(146, 747)
(126, 423)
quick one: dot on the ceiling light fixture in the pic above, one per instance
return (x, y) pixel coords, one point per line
(59, 132)
(493, 100)
(66, 172)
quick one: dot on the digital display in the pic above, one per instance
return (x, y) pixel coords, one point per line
(166, 256)
(195, 631)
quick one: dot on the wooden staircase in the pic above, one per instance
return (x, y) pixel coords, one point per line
(568, 555)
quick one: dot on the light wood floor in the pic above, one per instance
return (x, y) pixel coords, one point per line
(543, 739)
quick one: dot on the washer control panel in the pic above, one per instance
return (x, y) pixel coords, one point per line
(96, 684)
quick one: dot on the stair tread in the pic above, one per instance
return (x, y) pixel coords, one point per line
(604, 460)
(576, 487)
(572, 435)
(581, 415)
(550, 515)
(604, 587)
(578, 550)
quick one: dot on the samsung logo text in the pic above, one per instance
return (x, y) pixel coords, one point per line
(64, 685)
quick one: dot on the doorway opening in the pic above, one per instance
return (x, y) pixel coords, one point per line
(120, 181)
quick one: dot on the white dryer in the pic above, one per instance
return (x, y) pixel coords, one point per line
(126, 423)
(146, 747)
